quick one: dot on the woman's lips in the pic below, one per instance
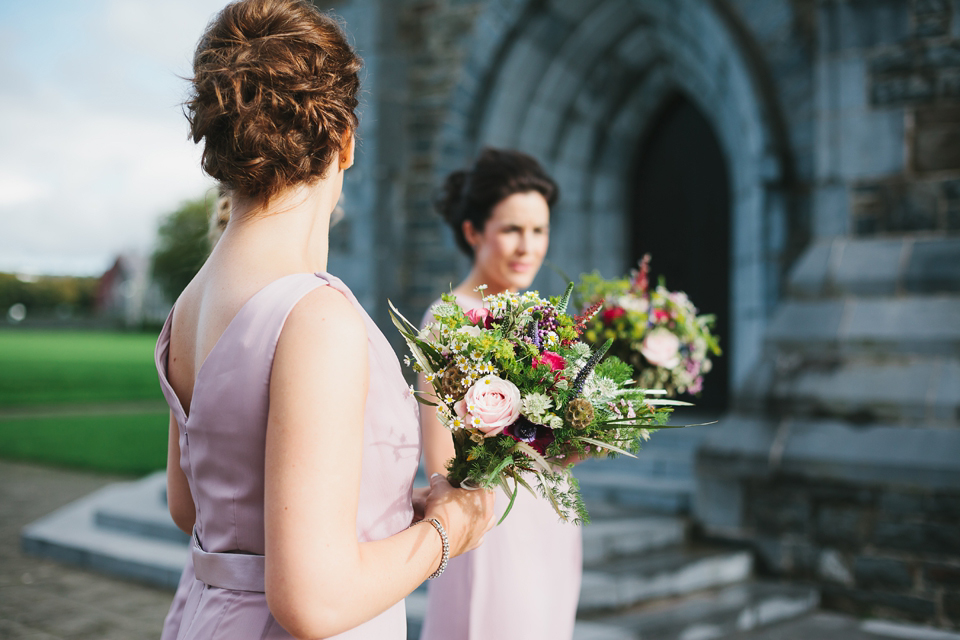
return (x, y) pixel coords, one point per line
(521, 267)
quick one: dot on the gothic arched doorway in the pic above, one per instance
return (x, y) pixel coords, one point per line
(680, 206)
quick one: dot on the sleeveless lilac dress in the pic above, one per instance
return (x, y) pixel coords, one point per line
(522, 583)
(222, 454)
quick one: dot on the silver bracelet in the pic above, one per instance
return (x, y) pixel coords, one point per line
(446, 547)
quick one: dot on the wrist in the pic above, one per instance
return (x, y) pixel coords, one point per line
(435, 523)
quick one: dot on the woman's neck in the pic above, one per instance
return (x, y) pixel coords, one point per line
(291, 233)
(475, 279)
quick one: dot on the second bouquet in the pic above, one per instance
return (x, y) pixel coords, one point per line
(524, 396)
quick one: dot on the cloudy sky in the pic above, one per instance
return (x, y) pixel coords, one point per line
(93, 147)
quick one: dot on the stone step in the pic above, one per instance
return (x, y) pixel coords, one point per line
(72, 535)
(652, 462)
(609, 538)
(625, 582)
(717, 613)
(894, 389)
(140, 509)
(822, 625)
(856, 327)
(658, 495)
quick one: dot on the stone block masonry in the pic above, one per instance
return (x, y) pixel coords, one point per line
(876, 552)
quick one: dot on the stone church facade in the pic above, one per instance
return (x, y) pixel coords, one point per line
(793, 164)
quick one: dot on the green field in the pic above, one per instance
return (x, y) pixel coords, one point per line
(82, 399)
(134, 443)
(75, 367)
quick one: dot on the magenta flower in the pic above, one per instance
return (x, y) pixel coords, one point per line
(554, 360)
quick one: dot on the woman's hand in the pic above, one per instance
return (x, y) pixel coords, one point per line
(467, 515)
(419, 500)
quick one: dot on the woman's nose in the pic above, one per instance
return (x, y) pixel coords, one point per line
(524, 243)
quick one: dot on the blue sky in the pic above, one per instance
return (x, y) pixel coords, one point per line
(93, 143)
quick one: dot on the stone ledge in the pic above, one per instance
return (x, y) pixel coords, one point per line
(921, 457)
(888, 390)
(864, 326)
(720, 613)
(877, 267)
(623, 583)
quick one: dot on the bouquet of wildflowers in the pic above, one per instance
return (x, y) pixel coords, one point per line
(524, 396)
(656, 330)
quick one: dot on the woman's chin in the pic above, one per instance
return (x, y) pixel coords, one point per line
(519, 283)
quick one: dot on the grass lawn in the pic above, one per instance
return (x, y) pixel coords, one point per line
(97, 369)
(76, 367)
(133, 443)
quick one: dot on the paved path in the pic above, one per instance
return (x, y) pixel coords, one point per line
(43, 600)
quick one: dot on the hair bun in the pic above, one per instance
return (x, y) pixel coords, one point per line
(274, 95)
(449, 199)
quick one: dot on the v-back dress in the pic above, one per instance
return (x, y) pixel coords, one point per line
(522, 583)
(222, 454)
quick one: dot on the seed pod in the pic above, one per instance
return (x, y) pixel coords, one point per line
(451, 382)
(580, 413)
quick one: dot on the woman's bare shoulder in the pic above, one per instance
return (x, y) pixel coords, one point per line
(325, 318)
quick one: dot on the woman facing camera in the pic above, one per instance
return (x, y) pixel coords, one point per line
(293, 437)
(524, 582)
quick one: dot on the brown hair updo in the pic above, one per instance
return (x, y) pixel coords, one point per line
(273, 96)
(471, 194)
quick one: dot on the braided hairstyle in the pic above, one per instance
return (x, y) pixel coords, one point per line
(273, 95)
(471, 194)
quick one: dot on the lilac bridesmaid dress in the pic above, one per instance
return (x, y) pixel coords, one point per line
(222, 454)
(522, 583)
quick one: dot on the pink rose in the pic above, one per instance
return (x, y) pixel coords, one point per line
(490, 405)
(660, 316)
(661, 348)
(480, 317)
(554, 360)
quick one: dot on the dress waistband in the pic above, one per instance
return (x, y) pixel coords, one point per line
(234, 571)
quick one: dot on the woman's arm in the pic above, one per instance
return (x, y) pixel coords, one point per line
(179, 498)
(320, 580)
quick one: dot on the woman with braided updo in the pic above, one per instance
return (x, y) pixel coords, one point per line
(293, 436)
(524, 582)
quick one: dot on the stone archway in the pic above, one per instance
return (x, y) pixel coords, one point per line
(577, 84)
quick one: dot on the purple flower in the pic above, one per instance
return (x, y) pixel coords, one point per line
(536, 435)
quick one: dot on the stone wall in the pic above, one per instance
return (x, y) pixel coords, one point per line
(841, 461)
(876, 553)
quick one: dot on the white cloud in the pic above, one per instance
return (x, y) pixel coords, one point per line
(93, 145)
(17, 189)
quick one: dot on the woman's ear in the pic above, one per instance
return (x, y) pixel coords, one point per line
(471, 234)
(347, 152)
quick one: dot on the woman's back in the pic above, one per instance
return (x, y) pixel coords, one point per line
(222, 441)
